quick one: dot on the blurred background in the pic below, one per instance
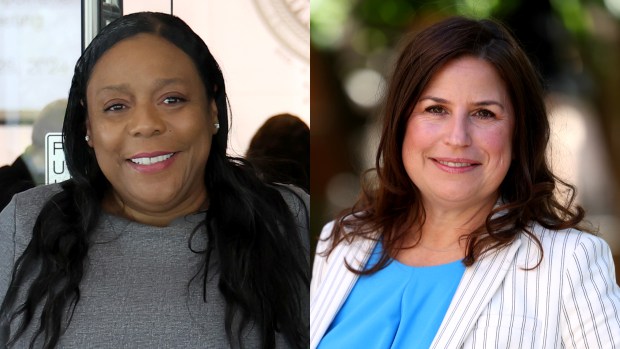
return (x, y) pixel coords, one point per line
(574, 43)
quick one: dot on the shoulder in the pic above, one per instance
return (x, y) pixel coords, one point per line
(336, 258)
(567, 239)
(32, 200)
(356, 248)
(565, 247)
(296, 199)
(298, 202)
(26, 207)
(351, 230)
(326, 232)
(583, 269)
(325, 238)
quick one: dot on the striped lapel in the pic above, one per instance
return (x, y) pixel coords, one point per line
(479, 284)
(336, 284)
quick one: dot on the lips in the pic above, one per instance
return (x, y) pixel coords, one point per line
(455, 163)
(146, 160)
(153, 162)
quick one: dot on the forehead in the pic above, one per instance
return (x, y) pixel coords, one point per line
(142, 56)
(468, 75)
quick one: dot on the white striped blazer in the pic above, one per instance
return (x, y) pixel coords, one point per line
(571, 300)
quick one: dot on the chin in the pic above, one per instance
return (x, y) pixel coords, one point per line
(459, 197)
(159, 199)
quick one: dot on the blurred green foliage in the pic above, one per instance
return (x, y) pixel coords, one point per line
(334, 22)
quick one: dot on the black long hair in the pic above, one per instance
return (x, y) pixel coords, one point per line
(263, 266)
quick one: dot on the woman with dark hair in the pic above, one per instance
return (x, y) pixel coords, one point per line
(159, 240)
(280, 150)
(466, 239)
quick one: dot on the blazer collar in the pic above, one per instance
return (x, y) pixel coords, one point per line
(478, 285)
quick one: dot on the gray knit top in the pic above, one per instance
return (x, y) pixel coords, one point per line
(138, 290)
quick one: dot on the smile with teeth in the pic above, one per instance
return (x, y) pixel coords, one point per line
(151, 161)
(455, 164)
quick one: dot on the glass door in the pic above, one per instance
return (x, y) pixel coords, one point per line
(40, 41)
(39, 45)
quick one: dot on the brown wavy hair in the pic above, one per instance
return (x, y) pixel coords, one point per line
(390, 204)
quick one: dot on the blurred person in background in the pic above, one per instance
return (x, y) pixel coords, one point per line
(465, 238)
(28, 170)
(159, 239)
(280, 150)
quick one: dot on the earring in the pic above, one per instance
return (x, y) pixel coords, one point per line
(217, 126)
(87, 138)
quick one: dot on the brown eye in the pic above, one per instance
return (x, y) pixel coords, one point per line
(436, 109)
(115, 107)
(484, 114)
(173, 100)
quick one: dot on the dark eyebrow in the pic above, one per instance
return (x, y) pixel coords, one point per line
(434, 99)
(124, 88)
(485, 103)
(478, 104)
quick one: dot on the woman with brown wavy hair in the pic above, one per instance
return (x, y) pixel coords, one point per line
(466, 239)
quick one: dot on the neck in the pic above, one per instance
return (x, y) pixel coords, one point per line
(114, 205)
(443, 236)
(445, 227)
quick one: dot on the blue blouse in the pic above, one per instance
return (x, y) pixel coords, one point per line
(399, 306)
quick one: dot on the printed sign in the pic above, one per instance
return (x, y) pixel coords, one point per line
(55, 166)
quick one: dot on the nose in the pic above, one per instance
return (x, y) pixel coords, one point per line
(146, 121)
(458, 131)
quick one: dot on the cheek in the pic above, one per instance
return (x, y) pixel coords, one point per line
(196, 135)
(107, 142)
(418, 137)
(194, 130)
(499, 145)
(105, 137)
(408, 144)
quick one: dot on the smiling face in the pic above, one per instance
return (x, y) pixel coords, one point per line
(458, 142)
(150, 125)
